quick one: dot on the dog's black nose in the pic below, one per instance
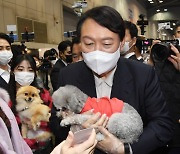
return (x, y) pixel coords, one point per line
(29, 99)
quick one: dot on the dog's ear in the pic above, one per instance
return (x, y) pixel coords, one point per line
(38, 91)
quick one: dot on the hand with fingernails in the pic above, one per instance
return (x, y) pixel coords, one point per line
(67, 147)
(175, 59)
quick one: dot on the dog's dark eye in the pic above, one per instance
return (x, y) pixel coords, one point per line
(64, 108)
(26, 94)
(33, 95)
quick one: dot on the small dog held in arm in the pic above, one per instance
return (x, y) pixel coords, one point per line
(31, 110)
(124, 121)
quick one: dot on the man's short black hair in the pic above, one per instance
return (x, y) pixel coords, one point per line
(63, 46)
(51, 52)
(176, 27)
(132, 28)
(5, 37)
(105, 16)
(75, 40)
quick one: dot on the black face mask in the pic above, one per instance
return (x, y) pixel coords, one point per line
(69, 59)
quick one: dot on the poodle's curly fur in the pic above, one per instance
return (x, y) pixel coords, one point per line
(70, 100)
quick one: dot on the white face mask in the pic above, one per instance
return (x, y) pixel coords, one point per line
(24, 78)
(178, 40)
(54, 61)
(5, 57)
(101, 62)
(125, 48)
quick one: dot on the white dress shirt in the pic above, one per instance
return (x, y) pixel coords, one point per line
(104, 85)
(5, 74)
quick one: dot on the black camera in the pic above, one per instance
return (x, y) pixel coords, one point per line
(45, 66)
(46, 62)
(51, 54)
(161, 51)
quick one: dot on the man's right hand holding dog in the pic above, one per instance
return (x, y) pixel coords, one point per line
(110, 144)
(96, 120)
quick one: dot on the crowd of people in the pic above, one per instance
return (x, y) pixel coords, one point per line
(103, 60)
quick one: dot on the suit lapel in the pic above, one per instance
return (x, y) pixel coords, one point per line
(86, 81)
(122, 83)
(3, 83)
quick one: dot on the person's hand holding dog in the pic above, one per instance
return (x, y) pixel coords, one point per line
(96, 120)
(67, 147)
(110, 144)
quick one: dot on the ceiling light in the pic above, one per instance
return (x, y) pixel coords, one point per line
(151, 2)
(174, 24)
(158, 10)
(165, 10)
(160, 1)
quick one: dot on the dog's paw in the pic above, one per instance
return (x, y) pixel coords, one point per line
(99, 137)
(64, 122)
(38, 124)
(34, 126)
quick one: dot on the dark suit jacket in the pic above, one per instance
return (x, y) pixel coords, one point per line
(55, 73)
(136, 84)
(133, 57)
(3, 84)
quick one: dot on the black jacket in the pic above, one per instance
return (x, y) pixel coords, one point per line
(169, 79)
(4, 84)
(134, 83)
(55, 73)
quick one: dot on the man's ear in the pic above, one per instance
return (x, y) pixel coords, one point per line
(122, 44)
(134, 39)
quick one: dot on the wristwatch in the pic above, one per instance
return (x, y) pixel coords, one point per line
(126, 148)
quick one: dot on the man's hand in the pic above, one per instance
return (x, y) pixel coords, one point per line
(96, 120)
(110, 144)
(175, 59)
(67, 147)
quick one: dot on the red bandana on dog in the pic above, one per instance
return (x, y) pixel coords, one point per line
(103, 105)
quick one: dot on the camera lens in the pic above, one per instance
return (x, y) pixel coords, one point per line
(160, 52)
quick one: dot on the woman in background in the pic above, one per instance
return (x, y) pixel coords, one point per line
(23, 69)
(11, 141)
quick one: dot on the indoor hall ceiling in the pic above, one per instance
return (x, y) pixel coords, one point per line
(158, 4)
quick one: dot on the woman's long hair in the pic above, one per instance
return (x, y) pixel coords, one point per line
(12, 83)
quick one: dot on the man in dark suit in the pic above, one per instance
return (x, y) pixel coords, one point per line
(129, 49)
(104, 74)
(65, 55)
(5, 57)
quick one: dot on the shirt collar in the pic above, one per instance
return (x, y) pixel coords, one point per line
(108, 80)
(140, 57)
(64, 62)
(2, 71)
(129, 55)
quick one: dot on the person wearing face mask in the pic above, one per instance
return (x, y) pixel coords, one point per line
(168, 72)
(129, 48)
(103, 73)
(23, 69)
(177, 32)
(5, 57)
(44, 71)
(11, 141)
(76, 50)
(65, 58)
